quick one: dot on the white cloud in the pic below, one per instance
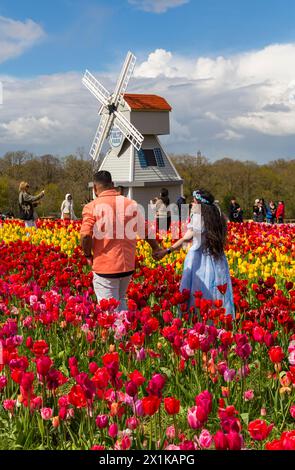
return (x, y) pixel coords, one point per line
(17, 36)
(50, 113)
(228, 134)
(275, 124)
(36, 129)
(157, 6)
(241, 105)
(254, 90)
(162, 62)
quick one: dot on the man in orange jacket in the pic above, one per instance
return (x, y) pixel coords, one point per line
(110, 226)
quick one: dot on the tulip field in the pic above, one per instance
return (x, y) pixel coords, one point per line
(78, 375)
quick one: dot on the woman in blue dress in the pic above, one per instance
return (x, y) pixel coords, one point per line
(205, 266)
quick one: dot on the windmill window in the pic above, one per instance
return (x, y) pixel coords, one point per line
(150, 157)
(159, 157)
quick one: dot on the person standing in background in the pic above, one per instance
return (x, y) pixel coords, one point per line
(271, 212)
(235, 211)
(180, 202)
(27, 204)
(255, 210)
(260, 216)
(163, 215)
(67, 208)
(280, 213)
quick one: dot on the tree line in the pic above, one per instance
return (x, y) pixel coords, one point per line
(225, 178)
(57, 176)
(246, 181)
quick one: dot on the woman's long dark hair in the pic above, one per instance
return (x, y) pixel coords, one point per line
(215, 226)
(164, 196)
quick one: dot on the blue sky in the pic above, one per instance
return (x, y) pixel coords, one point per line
(225, 66)
(94, 33)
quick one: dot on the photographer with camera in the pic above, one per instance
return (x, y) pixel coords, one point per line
(27, 204)
(235, 211)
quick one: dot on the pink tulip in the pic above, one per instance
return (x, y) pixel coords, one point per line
(192, 418)
(132, 423)
(229, 375)
(291, 358)
(113, 430)
(102, 421)
(9, 405)
(170, 432)
(46, 413)
(3, 382)
(249, 395)
(205, 439)
(172, 447)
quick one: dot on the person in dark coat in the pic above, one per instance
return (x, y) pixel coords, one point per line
(235, 211)
(180, 202)
(261, 212)
(271, 209)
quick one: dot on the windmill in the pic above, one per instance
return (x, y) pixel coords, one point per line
(111, 117)
(133, 122)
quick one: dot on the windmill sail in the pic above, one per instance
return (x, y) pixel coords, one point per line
(124, 78)
(109, 109)
(130, 132)
(96, 88)
(101, 134)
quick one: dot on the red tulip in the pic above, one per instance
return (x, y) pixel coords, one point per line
(259, 430)
(222, 288)
(137, 378)
(235, 440)
(274, 445)
(131, 388)
(276, 354)
(77, 397)
(288, 440)
(220, 441)
(40, 348)
(172, 405)
(150, 404)
(43, 365)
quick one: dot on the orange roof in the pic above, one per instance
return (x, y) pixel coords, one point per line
(139, 102)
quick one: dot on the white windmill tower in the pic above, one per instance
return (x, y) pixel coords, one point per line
(136, 159)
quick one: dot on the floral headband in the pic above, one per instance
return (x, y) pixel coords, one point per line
(197, 195)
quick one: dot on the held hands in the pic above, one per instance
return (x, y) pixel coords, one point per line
(159, 254)
(89, 261)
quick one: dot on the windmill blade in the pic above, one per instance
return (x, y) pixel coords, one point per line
(96, 88)
(130, 132)
(124, 78)
(102, 133)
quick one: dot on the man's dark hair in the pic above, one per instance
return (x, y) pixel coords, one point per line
(104, 178)
(164, 196)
